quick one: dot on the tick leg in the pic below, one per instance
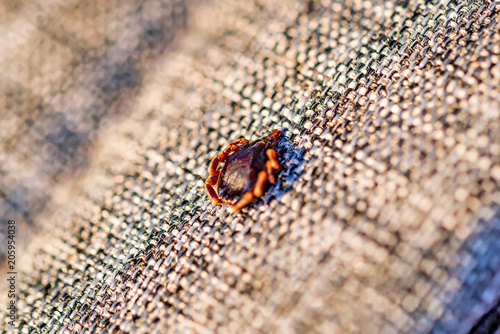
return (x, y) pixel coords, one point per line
(239, 142)
(272, 156)
(272, 164)
(244, 201)
(270, 172)
(212, 168)
(234, 145)
(209, 188)
(258, 190)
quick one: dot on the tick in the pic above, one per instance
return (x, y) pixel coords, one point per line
(247, 166)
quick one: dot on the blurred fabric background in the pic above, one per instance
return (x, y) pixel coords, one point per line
(385, 218)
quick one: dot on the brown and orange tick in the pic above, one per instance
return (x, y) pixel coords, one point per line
(247, 167)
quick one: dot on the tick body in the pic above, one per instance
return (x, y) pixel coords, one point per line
(247, 167)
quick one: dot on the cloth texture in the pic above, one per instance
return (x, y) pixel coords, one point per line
(385, 215)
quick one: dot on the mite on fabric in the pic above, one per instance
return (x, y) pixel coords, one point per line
(247, 166)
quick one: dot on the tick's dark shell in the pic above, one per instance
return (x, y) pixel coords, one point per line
(241, 169)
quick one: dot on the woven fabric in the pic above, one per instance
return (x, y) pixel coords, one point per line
(384, 219)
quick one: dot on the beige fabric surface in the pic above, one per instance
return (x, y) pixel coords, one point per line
(385, 217)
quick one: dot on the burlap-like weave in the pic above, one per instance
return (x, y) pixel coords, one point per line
(385, 217)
